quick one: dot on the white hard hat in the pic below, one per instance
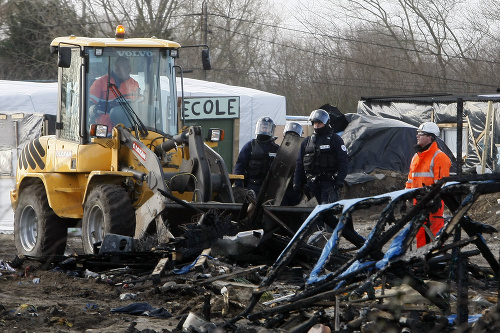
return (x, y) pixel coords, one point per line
(430, 128)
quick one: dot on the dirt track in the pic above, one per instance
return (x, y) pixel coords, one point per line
(33, 299)
(64, 303)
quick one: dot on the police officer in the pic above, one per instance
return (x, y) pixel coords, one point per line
(322, 161)
(293, 128)
(256, 156)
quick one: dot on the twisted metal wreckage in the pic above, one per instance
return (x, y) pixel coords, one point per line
(359, 273)
(385, 253)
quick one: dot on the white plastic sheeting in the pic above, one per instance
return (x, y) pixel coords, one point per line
(28, 97)
(22, 106)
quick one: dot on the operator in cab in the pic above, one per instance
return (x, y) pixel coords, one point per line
(108, 89)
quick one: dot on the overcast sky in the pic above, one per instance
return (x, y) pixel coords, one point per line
(293, 12)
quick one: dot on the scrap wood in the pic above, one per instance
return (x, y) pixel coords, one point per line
(301, 304)
(312, 219)
(409, 238)
(383, 266)
(430, 254)
(158, 271)
(308, 324)
(230, 275)
(262, 208)
(474, 190)
(280, 264)
(221, 284)
(379, 237)
(200, 263)
(376, 298)
(356, 268)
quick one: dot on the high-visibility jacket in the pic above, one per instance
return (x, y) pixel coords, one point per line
(99, 89)
(99, 93)
(426, 168)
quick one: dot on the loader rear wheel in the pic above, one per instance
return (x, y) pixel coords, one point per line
(38, 231)
(107, 210)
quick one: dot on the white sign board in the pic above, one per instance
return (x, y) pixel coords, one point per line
(196, 108)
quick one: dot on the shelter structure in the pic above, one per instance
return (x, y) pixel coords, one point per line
(213, 101)
(468, 123)
(374, 142)
(24, 106)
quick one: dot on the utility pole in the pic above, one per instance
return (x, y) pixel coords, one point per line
(204, 29)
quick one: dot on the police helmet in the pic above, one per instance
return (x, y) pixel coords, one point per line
(319, 115)
(293, 127)
(429, 128)
(265, 126)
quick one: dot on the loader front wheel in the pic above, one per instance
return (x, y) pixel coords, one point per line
(108, 210)
(38, 231)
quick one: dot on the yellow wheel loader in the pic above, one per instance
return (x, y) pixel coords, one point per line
(117, 154)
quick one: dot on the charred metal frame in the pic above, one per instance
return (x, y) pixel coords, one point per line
(370, 263)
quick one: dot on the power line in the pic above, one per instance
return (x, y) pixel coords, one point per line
(343, 59)
(355, 61)
(381, 85)
(353, 40)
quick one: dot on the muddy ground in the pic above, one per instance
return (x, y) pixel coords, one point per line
(45, 298)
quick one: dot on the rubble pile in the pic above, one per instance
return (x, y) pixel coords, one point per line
(325, 277)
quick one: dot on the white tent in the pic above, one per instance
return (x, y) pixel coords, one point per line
(253, 104)
(31, 100)
(22, 107)
(28, 97)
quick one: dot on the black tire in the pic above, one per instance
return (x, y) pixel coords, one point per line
(108, 210)
(38, 231)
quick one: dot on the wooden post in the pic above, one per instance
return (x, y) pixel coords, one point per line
(460, 126)
(486, 139)
(462, 292)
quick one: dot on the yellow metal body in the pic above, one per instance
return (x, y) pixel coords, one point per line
(114, 42)
(69, 170)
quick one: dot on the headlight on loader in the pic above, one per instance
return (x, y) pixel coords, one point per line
(98, 130)
(215, 135)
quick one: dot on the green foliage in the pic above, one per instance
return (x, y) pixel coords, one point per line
(30, 26)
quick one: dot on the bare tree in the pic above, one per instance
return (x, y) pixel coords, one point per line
(435, 38)
(376, 47)
(239, 33)
(141, 17)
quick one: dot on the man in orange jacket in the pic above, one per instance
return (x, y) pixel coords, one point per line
(428, 165)
(102, 96)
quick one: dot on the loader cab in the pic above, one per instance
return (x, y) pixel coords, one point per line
(106, 81)
(125, 84)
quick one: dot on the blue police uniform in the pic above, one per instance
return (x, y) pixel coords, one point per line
(254, 161)
(322, 165)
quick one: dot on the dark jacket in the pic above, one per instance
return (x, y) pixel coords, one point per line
(254, 161)
(330, 159)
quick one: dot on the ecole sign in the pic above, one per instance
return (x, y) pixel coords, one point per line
(211, 107)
